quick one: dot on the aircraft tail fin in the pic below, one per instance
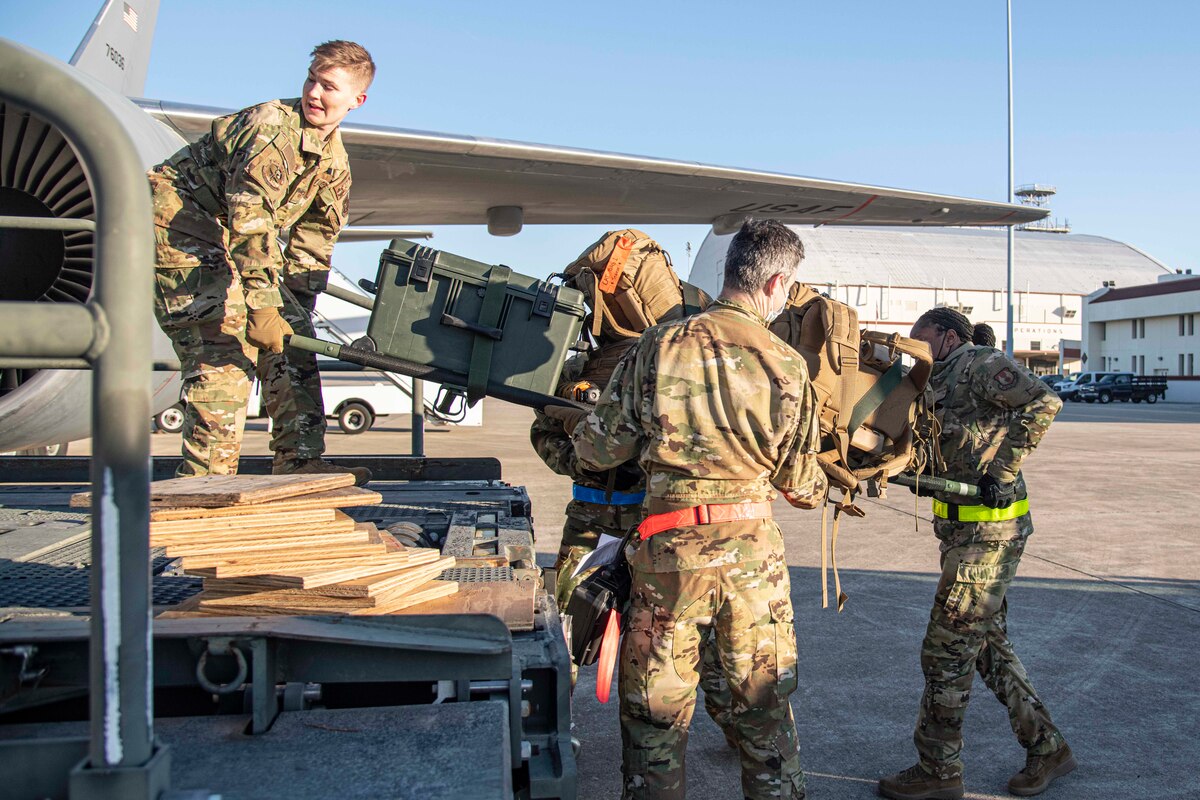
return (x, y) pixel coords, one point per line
(116, 49)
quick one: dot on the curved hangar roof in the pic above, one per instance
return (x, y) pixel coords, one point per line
(966, 258)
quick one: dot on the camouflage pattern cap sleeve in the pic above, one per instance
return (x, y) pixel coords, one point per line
(1030, 405)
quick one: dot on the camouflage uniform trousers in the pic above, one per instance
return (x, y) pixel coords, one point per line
(217, 363)
(291, 387)
(585, 522)
(746, 609)
(967, 633)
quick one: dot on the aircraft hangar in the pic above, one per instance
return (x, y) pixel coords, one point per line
(891, 275)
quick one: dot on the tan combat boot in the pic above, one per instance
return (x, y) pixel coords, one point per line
(1040, 772)
(318, 466)
(915, 783)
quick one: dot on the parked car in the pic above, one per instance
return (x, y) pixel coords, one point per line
(1125, 386)
(1071, 390)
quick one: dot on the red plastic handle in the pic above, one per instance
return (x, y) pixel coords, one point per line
(608, 655)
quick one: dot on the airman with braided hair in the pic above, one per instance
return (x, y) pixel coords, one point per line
(993, 413)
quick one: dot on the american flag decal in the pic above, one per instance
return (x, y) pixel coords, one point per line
(130, 17)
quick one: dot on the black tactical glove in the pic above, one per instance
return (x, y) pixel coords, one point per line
(994, 494)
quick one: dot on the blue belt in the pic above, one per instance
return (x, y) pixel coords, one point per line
(601, 498)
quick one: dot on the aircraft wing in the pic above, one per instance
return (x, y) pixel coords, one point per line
(406, 177)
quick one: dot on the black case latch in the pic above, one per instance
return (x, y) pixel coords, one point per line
(424, 260)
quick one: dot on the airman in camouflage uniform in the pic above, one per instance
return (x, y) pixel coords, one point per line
(588, 516)
(993, 413)
(586, 520)
(717, 410)
(220, 207)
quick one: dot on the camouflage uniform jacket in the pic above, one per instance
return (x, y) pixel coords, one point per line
(993, 413)
(718, 410)
(554, 447)
(258, 172)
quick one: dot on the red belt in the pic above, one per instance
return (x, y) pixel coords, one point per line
(703, 515)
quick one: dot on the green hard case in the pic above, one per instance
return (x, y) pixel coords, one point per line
(481, 321)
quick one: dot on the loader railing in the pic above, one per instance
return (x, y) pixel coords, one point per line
(112, 333)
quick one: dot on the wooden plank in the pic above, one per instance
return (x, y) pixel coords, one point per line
(284, 600)
(511, 601)
(243, 522)
(318, 599)
(315, 575)
(388, 583)
(273, 548)
(322, 562)
(258, 562)
(246, 537)
(253, 583)
(336, 498)
(414, 602)
(214, 491)
(222, 606)
(325, 560)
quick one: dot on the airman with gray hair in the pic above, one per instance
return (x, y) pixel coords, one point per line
(759, 251)
(720, 414)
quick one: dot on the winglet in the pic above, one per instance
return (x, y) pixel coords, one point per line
(116, 49)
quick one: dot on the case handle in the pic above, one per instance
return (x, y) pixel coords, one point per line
(482, 330)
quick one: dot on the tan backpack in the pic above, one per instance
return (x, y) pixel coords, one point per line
(630, 285)
(874, 414)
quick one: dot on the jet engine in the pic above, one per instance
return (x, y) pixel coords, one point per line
(41, 176)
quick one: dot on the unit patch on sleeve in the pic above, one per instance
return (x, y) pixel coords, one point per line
(1005, 378)
(273, 174)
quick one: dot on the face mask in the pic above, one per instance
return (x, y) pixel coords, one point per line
(941, 344)
(941, 348)
(773, 315)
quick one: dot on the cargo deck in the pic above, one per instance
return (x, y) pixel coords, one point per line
(390, 687)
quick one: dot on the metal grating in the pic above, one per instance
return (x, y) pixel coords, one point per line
(34, 516)
(477, 574)
(73, 557)
(75, 592)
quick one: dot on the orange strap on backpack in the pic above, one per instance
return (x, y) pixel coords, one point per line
(616, 265)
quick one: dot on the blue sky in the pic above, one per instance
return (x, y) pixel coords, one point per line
(909, 95)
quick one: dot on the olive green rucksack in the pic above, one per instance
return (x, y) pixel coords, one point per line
(630, 285)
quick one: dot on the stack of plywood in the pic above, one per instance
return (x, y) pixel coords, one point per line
(279, 545)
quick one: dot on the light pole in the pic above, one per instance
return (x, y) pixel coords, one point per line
(1008, 328)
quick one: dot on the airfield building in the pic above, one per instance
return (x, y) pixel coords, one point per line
(891, 275)
(1148, 330)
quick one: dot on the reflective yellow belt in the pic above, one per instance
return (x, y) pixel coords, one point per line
(953, 511)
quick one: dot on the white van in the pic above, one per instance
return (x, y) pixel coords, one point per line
(354, 399)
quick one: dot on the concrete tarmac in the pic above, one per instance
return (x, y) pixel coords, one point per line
(1104, 613)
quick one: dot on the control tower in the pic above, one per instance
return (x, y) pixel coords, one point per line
(1038, 195)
